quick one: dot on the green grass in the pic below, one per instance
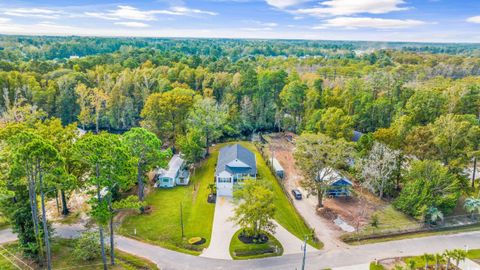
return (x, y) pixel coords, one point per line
(470, 228)
(3, 223)
(389, 219)
(61, 258)
(71, 218)
(238, 246)
(374, 266)
(420, 261)
(474, 254)
(4, 263)
(162, 225)
(285, 214)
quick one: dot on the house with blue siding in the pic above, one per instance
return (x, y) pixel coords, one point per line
(176, 173)
(235, 163)
(337, 184)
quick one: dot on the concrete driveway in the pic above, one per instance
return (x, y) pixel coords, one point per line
(222, 230)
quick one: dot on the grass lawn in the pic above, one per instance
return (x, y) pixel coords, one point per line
(389, 219)
(471, 228)
(62, 259)
(242, 251)
(285, 214)
(162, 225)
(374, 266)
(3, 223)
(71, 218)
(474, 254)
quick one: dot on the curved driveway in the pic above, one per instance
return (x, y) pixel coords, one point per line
(167, 259)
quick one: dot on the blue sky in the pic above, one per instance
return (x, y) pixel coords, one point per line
(379, 20)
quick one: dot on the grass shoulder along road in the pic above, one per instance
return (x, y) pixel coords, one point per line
(285, 214)
(242, 251)
(62, 259)
(470, 228)
(163, 225)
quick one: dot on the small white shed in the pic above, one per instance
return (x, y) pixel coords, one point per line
(277, 168)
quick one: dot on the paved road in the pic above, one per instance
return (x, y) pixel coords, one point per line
(167, 259)
(469, 265)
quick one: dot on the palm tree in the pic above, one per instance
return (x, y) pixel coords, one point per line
(448, 256)
(472, 205)
(411, 264)
(427, 257)
(438, 257)
(435, 215)
(458, 255)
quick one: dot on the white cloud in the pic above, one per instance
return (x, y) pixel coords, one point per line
(180, 10)
(4, 20)
(133, 13)
(132, 24)
(284, 3)
(351, 7)
(367, 22)
(475, 19)
(33, 12)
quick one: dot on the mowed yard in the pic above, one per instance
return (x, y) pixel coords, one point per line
(285, 214)
(162, 226)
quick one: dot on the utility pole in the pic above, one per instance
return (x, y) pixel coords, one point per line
(181, 218)
(304, 252)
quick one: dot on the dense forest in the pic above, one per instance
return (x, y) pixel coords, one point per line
(417, 102)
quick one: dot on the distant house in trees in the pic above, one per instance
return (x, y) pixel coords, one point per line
(176, 173)
(235, 163)
(356, 136)
(337, 185)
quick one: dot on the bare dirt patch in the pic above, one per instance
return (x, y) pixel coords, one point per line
(356, 210)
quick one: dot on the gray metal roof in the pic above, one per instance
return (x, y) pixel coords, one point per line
(236, 159)
(276, 165)
(174, 165)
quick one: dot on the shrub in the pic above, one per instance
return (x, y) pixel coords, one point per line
(87, 247)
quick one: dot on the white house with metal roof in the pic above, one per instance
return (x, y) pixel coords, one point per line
(235, 163)
(176, 173)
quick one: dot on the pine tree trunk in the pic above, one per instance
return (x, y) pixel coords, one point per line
(474, 171)
(34, 209)
(65, 210)
(45, 227)
(33, 196)
(102, 242)
(140, 181)
(112, 237)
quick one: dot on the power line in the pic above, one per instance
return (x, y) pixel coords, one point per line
(18, 259)
(14, 264)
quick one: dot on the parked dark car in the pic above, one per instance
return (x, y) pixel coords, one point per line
(297, 194)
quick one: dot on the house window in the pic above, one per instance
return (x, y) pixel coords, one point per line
(165, 180)
(224, 180)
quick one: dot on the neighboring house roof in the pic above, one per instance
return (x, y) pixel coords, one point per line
(236, 159)
(334, 178)
(356, 136)
(174, 165)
